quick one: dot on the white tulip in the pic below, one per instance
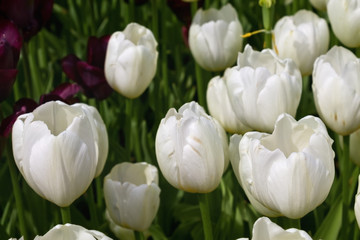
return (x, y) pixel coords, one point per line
(336, 89)
(319, 4)
(304, 30)
(59, 149)
(131, 60)
(264, 228)
(220, 108)
(215, 37)
(120, 232)
(357, 204)
(287, 173)
(191, 149)
(73, 232)
(132, 195)
(261, 87)
(344, 16)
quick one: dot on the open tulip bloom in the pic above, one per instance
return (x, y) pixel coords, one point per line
(286, 173)
(59, 149)
(261, 87)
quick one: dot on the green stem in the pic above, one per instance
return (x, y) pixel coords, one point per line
(205, 215)
(17, 194)
(139, 235)
(65, 214)
(267, 14)
(200, 86)
(164, 65)
(26, 67)
(92, 206)
(345, 161)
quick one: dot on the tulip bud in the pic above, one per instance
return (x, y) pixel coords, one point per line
(215, 37)
(73, 232)
(131, 194)
(59, 149)
(191, 149)
(304, 30)
(220, 107)
(344, 18)
(287, 173)
(131, 60)
(264, 228)
(336, 90)
(357, 204)
(261, 87)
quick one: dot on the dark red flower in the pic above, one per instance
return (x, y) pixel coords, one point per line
(182, 9)
(29, 15)
(10, 46)
(90, 74)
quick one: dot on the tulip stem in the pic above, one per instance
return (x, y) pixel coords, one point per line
(345, 161)
(205, 215)
(200, 86)
(65, 215)
(17, 194)
(267, 14)
(92, 205)
(139, 235)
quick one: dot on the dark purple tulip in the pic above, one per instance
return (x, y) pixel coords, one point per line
(10, 46)
(138, 2)
(64, 92)
(29, 15)
(90, 74)
(182, 9)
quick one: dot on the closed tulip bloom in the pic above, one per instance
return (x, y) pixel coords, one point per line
(357, 204)
(264, 228)
(215, 37)
(220, 108)
(261, 87)
(289, 172)
(73, 232)
(59, 149)
(304, 30)
(191, 149)
(131, 60)
(344, 18)
(336, 90)
(132, 195)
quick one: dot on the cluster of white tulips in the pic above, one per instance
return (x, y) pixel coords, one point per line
(285, 166)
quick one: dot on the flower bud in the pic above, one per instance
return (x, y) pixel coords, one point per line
(191, 149)
(215, 37)
(337, 91)
(131, 60)
(304, 30)
(59, 149)
(132, 195)
(344, 18)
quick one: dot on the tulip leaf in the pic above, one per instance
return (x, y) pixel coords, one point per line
(3, 234)
(330, 227)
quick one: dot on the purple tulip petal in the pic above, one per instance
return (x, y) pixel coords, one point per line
(64, 92)
(7, 79)
(22, 106)
(69, 66)
(10, 44)
(96, 50)
(29, 15)
(95, 84)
